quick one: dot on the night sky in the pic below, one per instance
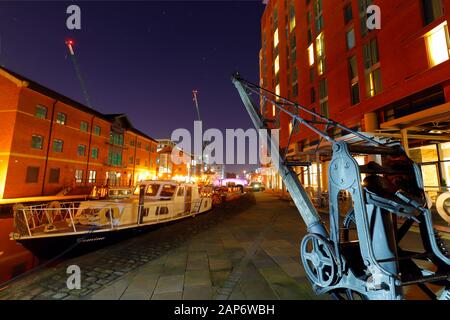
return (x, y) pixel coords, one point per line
(141, 58)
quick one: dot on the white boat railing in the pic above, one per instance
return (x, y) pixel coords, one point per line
(77, 217)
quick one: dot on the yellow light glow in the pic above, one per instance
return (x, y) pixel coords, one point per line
(290, 127)
(277, 90)
(438, 44)
(277, 64)
(273, 110)
(319, 45)
(311, 54)
(371, 85)
(275, 38)
(292, 24)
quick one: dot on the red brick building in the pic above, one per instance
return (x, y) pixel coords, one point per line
(50, 143)
(393, 81)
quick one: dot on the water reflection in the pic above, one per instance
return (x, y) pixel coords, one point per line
(14, 258)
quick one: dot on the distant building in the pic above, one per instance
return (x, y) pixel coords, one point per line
(50, 143)
(393, 81)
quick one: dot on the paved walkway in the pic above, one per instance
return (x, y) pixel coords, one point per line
(251, 255)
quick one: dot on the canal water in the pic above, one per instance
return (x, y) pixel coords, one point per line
(14, 258)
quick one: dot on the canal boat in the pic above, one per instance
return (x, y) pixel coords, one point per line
(54, 228)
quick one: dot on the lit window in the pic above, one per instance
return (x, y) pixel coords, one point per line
(277, 90)
(320, 51)
(311, 54)
(273, 111)
(78, 176)
(290, 127)
(277, 64)
(92, 176)
(275, 38)
(61, 118)
(438, 44)
(292, 24)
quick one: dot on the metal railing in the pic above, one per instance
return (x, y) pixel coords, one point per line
(73, 217)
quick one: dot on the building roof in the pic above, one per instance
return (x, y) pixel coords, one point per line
(64, 99)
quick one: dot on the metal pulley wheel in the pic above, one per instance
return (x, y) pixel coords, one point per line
(319, 260)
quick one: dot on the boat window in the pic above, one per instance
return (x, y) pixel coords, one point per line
(152, 190)
(168, 190)
(180, 192)
(188, 192)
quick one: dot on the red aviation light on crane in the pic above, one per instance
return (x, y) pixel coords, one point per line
(69, 44)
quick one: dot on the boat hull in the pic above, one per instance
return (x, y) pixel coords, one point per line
(65, 246)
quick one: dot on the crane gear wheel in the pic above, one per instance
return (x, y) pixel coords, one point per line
(319, 260)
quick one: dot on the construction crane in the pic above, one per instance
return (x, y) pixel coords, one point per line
(195, 99)
(388, 198)
(70, 43)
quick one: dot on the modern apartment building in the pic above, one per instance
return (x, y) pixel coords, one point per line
(50, 143)
(393, 81)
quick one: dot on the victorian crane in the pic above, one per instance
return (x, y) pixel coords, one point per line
(388, 198)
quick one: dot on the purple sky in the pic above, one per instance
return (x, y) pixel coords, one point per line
(141, 58)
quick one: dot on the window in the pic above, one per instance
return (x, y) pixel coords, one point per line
(348, 15)
(114, 158)
(147, 147)
(54, 175)
(277, 64)
(292, 17)
(152, 190)
(97, 130)
(131, 160)
(57, 145)
(138, 161)
(275, 38)
(92, 176)
(78, 176)
(94, 154)
(363, 5)
(32, 175)
(319, 16)
(61, 118)
(132, 142)
(354, 80)
(438, 44)
(323, 97)
(313, 95)
(84, 126)
(167, 190)
(41, 112)
(36, 141)
(372, 68)
(351, 39)
(139, 144)
(432, 10)
(180, 192)
(116, 138)
(311, 55)
(81, 151)
(320, 51)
